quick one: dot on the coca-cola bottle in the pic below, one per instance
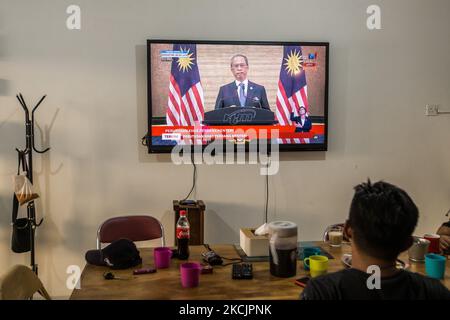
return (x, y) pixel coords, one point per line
(183, 235)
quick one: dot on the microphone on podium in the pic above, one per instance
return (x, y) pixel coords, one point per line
(220, 103)
(256, 99)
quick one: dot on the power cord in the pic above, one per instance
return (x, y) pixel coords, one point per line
(144, 140)
(266, 207)
(213, 259)
(194, 177)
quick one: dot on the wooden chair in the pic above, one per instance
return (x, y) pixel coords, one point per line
(134, 228)
(21, 283)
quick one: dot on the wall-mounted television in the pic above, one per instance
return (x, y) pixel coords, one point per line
(201, 92)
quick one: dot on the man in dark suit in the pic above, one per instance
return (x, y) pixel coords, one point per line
(241, 92)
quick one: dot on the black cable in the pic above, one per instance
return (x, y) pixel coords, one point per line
(267, 191)
(235, 260)
(144, 140)
(227, 264)
(194, 176)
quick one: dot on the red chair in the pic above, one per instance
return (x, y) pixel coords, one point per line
(134, 228)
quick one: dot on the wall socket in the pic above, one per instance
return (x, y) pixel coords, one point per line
(431, 109)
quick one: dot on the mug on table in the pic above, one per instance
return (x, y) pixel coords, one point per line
(318, 265)
(310, 251)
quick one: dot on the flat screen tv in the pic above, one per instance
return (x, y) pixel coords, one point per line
(238, 92)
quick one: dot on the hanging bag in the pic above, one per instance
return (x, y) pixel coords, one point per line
(20, 241)
(23, 188)
(23, 193)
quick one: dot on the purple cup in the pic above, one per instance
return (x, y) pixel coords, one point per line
(190, 274)
(162, 257)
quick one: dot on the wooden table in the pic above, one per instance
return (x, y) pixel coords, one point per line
(165, 283)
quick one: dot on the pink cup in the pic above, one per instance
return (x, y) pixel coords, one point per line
(190, 274)
(162, 257)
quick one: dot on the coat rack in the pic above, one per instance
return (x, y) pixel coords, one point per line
(28, 152)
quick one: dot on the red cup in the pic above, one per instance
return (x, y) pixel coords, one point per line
(162, 257)
(190, 274)
(434, 242)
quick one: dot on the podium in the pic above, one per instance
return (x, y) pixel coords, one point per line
(195, 215)
(233, 116)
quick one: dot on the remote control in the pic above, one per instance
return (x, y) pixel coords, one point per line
(242, 271)
(144, 271)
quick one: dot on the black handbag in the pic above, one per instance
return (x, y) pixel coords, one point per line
(21, 236)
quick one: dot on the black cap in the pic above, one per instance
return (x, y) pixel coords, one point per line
(120, 254)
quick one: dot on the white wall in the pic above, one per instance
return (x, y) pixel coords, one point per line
(95, 115)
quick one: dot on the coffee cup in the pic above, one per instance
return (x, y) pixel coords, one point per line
(318, 265)
(434, 242)
(435, 265)
(307, 252)
(190, 274)
(335, 236)
(419, 249)
(162, 257)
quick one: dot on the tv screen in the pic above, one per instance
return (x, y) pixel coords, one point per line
(201, 92)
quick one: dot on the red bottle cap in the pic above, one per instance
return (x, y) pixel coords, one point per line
(182, 212)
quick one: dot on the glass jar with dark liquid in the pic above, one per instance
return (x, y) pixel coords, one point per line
(283, 248)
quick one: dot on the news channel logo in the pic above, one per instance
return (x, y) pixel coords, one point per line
(310, 60)
(168, 55)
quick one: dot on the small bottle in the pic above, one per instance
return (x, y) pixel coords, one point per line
(183, 235)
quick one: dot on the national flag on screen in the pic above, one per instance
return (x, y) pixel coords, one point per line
(185, 103)
(292, 89)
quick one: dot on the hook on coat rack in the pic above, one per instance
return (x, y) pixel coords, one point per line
(32, 121)
(29, 123)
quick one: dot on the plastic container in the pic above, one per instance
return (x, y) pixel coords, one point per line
(283, 248)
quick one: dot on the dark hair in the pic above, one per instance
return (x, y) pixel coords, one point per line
(383, 218)
(238, 55)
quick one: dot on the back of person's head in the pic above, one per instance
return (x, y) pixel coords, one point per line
(383, 218)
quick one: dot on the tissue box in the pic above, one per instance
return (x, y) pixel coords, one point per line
(253, 245)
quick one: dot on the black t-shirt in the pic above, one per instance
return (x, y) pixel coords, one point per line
(351, 284)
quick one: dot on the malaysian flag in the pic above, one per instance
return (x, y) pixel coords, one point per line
(292, 90)
(185, 103)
